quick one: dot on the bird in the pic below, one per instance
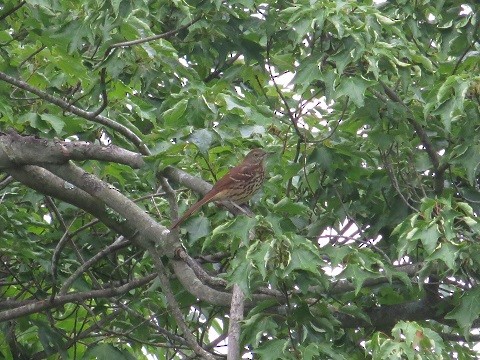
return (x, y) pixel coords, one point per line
(237, 185)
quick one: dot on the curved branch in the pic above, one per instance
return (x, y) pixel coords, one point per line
(38, 306)
(439, 169)
(173, 304)
(117, 245)
(46, 183)
(104, 104)
(151, 38)
(103, 120)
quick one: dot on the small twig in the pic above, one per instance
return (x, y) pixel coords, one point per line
(12, 10)
(151, 38)
(363, 239)
(116, 245)
(472, 43)
(7, 180)
(438, 169)
(31, 55)
(295, 160)
(293, 117)
(37, 306)
(394, 180)
(104, 94)
(214, 74)
(290, 309)
(338, 122)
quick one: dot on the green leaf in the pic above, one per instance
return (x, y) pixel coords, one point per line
(255, 328)
(259, 254)
(429, 238)
(467, 311)
(174, 117)
(241, 274)
(447, 253)
(322, 156)
(304, 256)
(203, 139)
(197, 227)
(272, 349)
(290, 208)
(305, 74)
(470, 160)
(354, 88)
(34, 120)
(106, 352)
(358, 276)
(237, 228)
(248, 131)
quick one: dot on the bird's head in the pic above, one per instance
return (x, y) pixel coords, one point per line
(255, 156)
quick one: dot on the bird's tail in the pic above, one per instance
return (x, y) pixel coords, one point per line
(191, 210)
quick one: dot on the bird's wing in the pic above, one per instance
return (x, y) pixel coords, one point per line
(240, 173)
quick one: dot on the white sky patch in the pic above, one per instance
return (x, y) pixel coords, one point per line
(183, 61)
(466, 9)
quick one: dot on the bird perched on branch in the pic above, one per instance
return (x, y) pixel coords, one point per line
(238, 185)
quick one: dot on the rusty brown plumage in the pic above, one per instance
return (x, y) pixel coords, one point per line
(238, 185)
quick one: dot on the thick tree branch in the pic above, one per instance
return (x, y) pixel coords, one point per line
(47, 183)
(386, 316)
(146, 229)
(29, 150)
(92, 194)
(236, 317)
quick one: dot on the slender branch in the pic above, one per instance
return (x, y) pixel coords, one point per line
(103, 120)
(393, 179)
(42, 305)
(104, 104)
(9, 12)
(293, 117)
(7, 180)
(467, 49)
(173, 304)
(152, 38)
(147, 229)
(214, 74)
(170, 195)
(116, 245)
(96, 326)
(46, 183)
(439, 170)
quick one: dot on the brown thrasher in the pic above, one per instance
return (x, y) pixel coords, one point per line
(238, 185)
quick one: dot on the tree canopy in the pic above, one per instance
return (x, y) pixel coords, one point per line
(116, 115)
